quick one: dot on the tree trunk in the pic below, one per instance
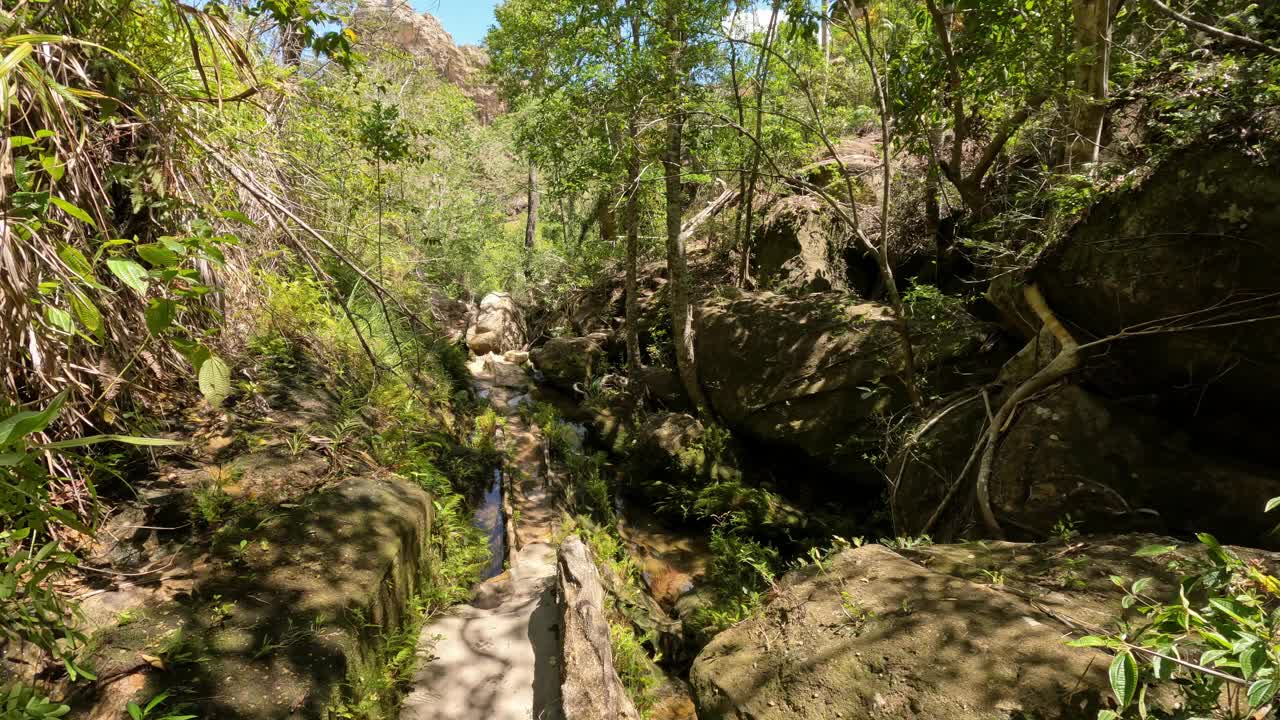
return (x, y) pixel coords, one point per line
(1092, 35)
(677, 268)
(632, 318)
(531, 222)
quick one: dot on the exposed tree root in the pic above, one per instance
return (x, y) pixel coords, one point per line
(1066, 361)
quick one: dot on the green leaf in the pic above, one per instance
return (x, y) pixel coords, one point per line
(95, 439)
(160, 314)
(135, 712)
(60, 319)
(1091, 641)
(157, 255)
(19, 425)
(1236, 610)
(73, 211)
(215, 380)
(1124, 678)
(130, 273)
(1154, 550)
(1272, 504)
(14, 58)
(76, 261)
(1252, 659)
(1261, 691)
(86, 312)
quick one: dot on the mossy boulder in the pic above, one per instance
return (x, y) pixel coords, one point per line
(286, 625)
(1187, 256)
(1072, 453)
(813, 373)
(569, 362)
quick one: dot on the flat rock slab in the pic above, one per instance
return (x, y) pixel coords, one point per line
(874, 635)
(277, 631)
(494, 659)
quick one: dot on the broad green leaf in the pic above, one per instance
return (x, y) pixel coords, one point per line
(160, 314)
(1261, 691)
(1154, 550)
(73, 211)
(1236, 610)
(60, 319)
(215, 380)
(1124, 678)
(86, 312)
(1091, 641)
(158, 255)
(76, 261)
(1272, 504)
(19, 425)
(130, 273)
(1252, 659)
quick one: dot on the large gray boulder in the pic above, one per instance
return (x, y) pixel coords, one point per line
(810, 373)
(873, 635)
(589, 685)
(1191, 244)
(499, 326)
(567, 362)
(1070, 452)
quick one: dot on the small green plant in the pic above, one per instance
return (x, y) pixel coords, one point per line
(22, 703)
(906, 543)
(1216, 643)
(857, 615)
(1066, 529)
(153, 711)
(220, 611)
(994, 576)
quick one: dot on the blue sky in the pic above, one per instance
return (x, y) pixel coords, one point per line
(466, 20)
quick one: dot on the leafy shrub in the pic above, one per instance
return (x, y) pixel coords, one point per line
(1215, 644)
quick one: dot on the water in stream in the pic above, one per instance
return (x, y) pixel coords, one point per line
(488, 517)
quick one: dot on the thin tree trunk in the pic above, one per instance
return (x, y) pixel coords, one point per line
(531, 220)
(633, 248)
(1092, 35)
(880, 82)
(748, 201)
(677, 266)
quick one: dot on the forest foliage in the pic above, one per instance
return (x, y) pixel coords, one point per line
(187, 191)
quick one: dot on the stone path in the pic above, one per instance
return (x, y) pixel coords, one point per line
(495, 659)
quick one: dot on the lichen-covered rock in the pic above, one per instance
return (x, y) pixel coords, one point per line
(799, 247)
(499, 326)
(678, 446)
(871, 634)
(566, 362)
(589, 685)
(266, 632)
(1193, 243)
(1069, 452)
(809, 373)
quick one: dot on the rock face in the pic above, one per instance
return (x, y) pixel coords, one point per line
(589, 684)
(797, 248)
(266, 634)
(875, 635)
(676, 445)
(499, 326)
(566, 362)
(808, 373)
(1194, 242)
(1108, 466)
(395, 22)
